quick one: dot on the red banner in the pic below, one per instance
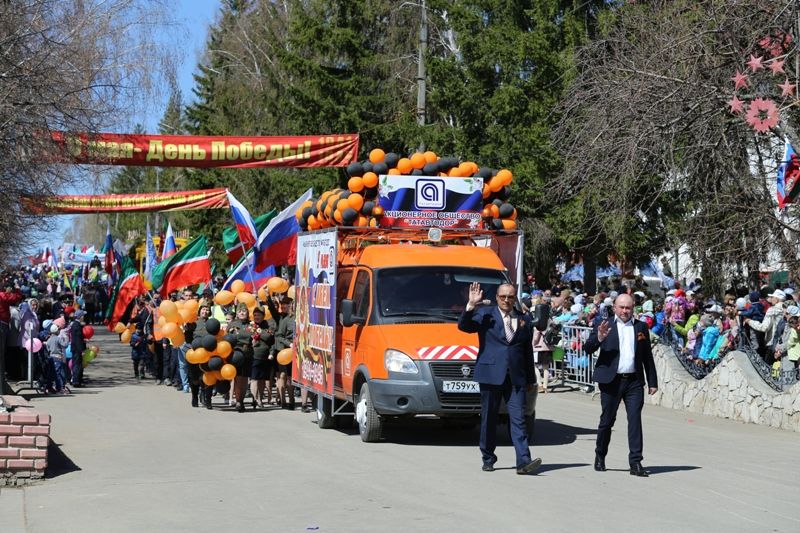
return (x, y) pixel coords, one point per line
(111, 203)
(207, 151)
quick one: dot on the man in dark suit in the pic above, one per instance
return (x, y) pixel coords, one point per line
(504, 370)
(624, 362)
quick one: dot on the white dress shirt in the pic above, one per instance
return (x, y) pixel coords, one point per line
(627, 346)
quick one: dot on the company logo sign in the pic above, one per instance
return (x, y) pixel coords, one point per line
(430, 194)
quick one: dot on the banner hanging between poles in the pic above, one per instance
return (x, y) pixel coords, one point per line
(207, 151)
(112, 203)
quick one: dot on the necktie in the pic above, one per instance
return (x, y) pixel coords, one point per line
(509, 329)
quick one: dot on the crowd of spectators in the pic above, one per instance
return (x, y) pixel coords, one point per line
(702, 328)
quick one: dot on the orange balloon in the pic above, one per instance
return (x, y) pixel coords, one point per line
(224, 297)
(275, 285)
(179, 304)
(168, 309)
(513, 215)
(237, 286)
(370, 179)
(356, 201)
(487, 191)
(245, 298)
(228, 371)
(337, 216)
(209, 378)
(285, 356)
(119, 328)
(509, 224)
(355, 184)
(455, 172)
(224, 348)
(178, 339)
(376, 155)
(373, 222)
(262, 294)
(377, 211)
(284, 285)
(393, 172)
(431, 157)
(157, 335)
(465, 168)
(418, 160)
(162, 320)
(404, 165)
(169, 329)
(126, 337)
(201, 355)
(504, 176)
(192, 305)
(361, 221)
(299, 214)
(495, 184)
(188, 315)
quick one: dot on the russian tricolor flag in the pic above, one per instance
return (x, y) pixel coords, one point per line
(245, 226)
(788, 176)
(277, 244)
(169, 243)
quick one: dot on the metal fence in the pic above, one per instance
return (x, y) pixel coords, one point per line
(576, 366)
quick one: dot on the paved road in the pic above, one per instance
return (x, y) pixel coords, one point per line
(135, 457)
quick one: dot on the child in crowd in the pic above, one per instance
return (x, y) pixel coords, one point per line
(139, 351)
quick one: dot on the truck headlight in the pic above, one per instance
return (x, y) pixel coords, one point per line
(397, 361)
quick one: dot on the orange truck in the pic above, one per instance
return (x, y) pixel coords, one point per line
(376, 334)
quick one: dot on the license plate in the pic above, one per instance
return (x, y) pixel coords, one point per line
(460, 386)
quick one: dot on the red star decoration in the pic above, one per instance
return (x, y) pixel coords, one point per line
(762, 115)
(736, 105)
(776, 66)
(739, 80)
(787, 89)
(755, 63)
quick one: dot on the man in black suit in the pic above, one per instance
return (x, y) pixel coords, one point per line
(624, 362)
(504, 370)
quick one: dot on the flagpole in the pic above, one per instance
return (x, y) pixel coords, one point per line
(249, 268)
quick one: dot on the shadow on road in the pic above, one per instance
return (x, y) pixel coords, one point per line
(58, 463)
(550, 433)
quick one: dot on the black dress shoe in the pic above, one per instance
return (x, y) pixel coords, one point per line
(599, 463)
(529, 467)
(488, 467)
(638, 470)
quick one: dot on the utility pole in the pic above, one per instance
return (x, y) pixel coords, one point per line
(421, 74)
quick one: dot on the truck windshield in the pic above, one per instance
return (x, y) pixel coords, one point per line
(436, 292)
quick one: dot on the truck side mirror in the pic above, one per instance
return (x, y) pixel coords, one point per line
(541, 315)
(346, 314)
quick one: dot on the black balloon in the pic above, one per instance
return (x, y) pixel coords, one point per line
(237, 359)
(506, 210)
(367, 166)
(349, 215)
(485, 172)
(306, 212)
(230, 338)
(430, 169)
(314, 211)
(366, 210)
(355, 169)
(497, 223)
(380, 168)
(210, 342)
(417, 172)
(215, 363)
(212, 326)
(391, 159)
(498, 202)
(197, 343)
(204, 367)
(504, 193)
(370, 192)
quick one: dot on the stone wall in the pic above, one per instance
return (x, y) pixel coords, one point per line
(24, 437)
(732, 390)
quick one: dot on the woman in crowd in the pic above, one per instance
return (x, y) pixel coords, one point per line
(243, 330)
(193, 331)
(263, 339)
(284, 338)
(542, 353)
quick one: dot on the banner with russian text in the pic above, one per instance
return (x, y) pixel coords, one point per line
(108, 203)
(315, 322)
(207, 151)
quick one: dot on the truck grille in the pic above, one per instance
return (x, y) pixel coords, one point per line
(451, 370)
(455, 401)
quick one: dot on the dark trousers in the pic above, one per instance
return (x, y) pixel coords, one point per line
(197, 390)
(158, 355)
(515, 398)
(630, 391)
(77, 369)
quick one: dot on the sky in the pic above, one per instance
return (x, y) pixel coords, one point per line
(193, 18)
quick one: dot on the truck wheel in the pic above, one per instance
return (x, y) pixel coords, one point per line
(324, 412)
(370, 423)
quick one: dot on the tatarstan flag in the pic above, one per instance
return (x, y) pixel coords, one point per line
(187, 267)
(129, 286)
